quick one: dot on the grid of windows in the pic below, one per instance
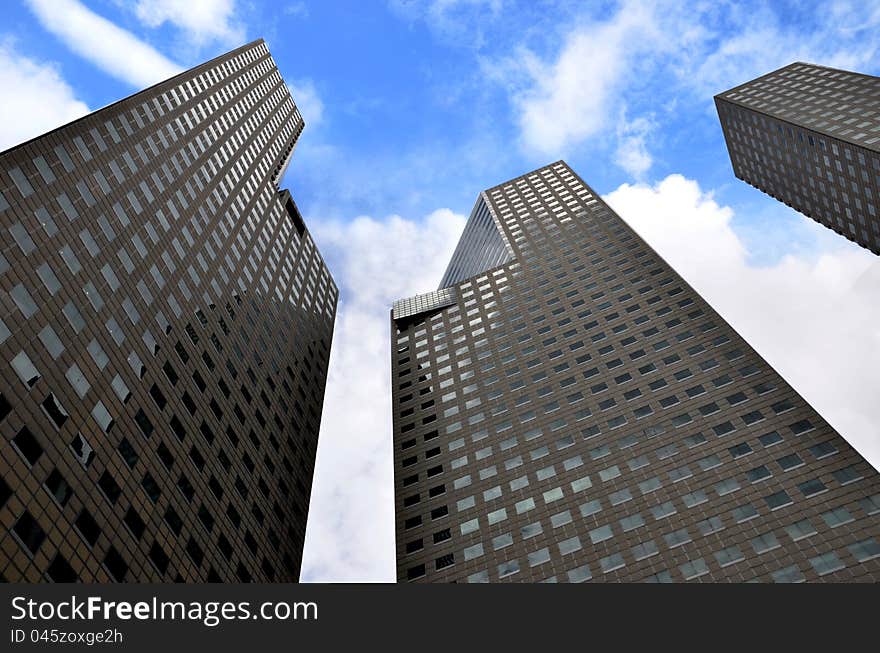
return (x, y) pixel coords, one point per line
(581, 414)
(162, 425)
(481, 247)
(422, 303)
(810, 137)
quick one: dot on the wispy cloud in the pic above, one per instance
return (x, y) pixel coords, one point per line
(632, 149)
(203, 21)
(463, 22)
(744, 43)
(307, 100)
(297, 9)
(114, 50)
(37, 99)
(561, 100)
(644, 56)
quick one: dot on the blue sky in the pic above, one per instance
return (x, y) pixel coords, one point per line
(413, 107)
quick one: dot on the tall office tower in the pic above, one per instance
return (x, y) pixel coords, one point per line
(567, 408)
(810, 137)
(166, 324)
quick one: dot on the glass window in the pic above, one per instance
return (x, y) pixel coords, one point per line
(68, 207)
(729, 556)
(531, 530)
(23, 300)
(479, 577)
(837, 517)
(812, 487)
(46, 221)
(710, 525)
(788, 575)
(677, 538)
(509, 568)
(764, 543)
(553, 495)
(93, 296)
(464, 504)
(22, 238)
(77, 380)
(621, 496)
(110, 277)
(97, 354)
(51, 341)
(73, 317)
(663, 510)
(826, 563)
(539, 557)
(847, 475)
(102, 417)
(21, 182)
(632, 522)
(865, 550)
(120, 389)
(801, 529)
(871, 505)
(612, 562)
(601, 534)
(525, 505)
(492, 493)
(570, 545)
(778, 500)
(470, 526)
(790, 462)
(726, 487)
(645, 550)
(609, 473)
(115, 331)
(694, 569)
(579, 574)
(25, 369)
(47, 276)
(759, 473)
(474, 551)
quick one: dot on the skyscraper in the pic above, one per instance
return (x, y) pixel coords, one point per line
(810, 137)
(568, 408)
(165, 329)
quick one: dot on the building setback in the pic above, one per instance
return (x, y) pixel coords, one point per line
(810, 137)
(567, 408)
(165, 325)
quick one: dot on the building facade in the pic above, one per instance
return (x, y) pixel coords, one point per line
(809, 136)
(567, 408)
(165, 329)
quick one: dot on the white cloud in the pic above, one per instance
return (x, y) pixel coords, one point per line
(444, 11)
(846, 38)
(113, 49)
(632, 151)
(350, 534)
(568, 98)
(462, 22)
(37, 100)
(816, 320)
(307, 100)
(202, 20)
(297, 9)
(646, 55)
